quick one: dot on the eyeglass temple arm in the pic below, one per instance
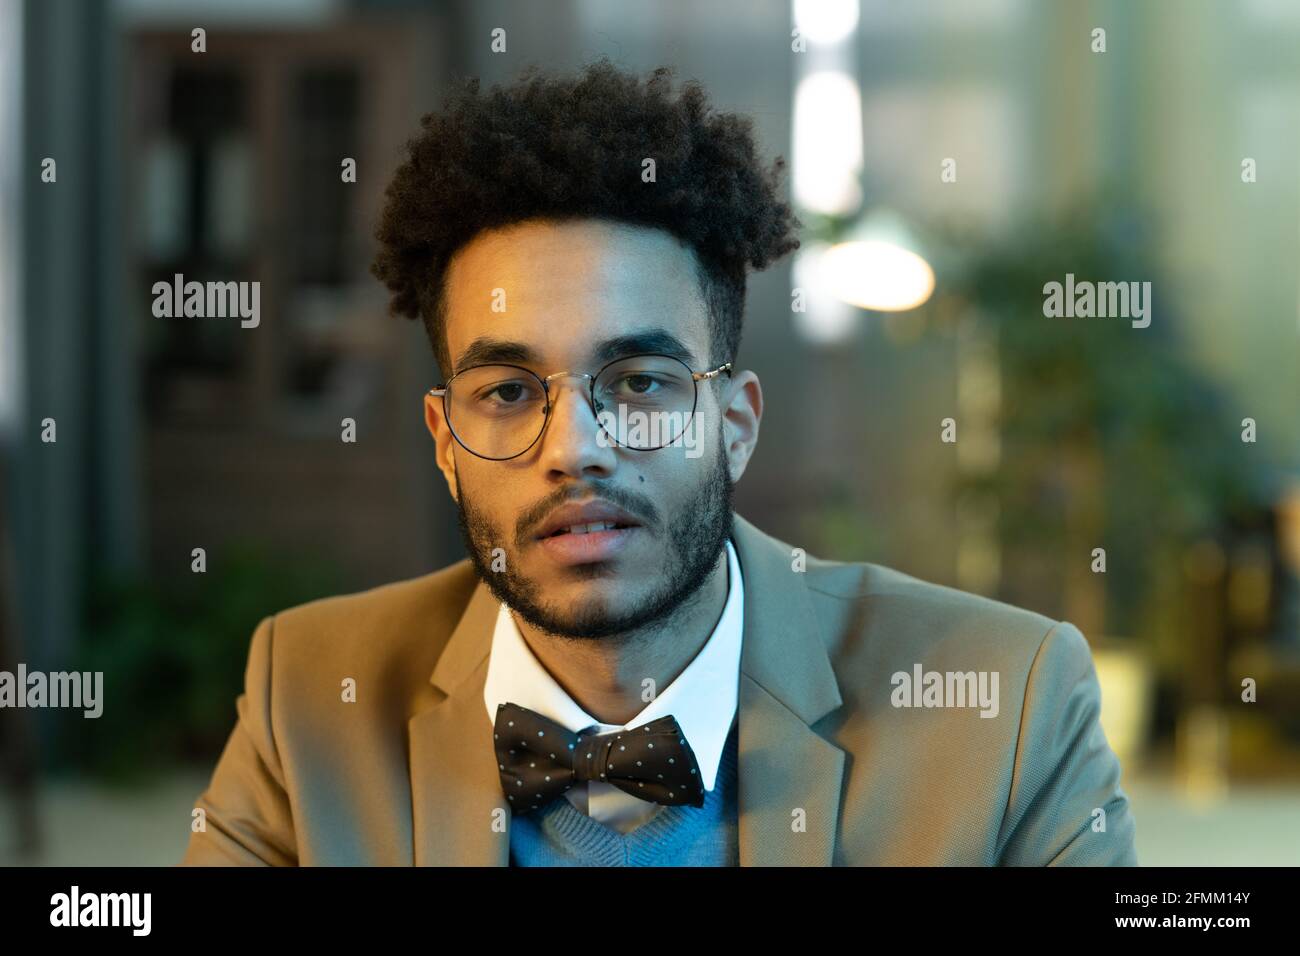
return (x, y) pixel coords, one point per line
(701, 376)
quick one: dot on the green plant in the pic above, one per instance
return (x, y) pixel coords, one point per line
(173, 654)
(1111, 437)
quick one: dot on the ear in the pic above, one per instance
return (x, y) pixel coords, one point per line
(435, 419)
(740, 420)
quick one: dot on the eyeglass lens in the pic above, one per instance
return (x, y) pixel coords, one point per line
(642, 402)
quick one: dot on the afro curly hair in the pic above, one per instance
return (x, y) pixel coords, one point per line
(562, 148)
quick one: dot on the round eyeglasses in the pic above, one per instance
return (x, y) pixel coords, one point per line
(642, 402)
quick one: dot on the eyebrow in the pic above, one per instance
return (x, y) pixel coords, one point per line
(654, 341)
(657, 341)
(487, 351)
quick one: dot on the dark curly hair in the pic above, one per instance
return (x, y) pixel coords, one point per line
(561, 148)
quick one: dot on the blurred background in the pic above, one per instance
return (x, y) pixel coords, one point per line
(948, 158)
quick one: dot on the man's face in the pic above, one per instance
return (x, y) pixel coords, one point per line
(576, 296)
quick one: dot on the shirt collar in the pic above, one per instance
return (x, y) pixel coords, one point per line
(703, 698)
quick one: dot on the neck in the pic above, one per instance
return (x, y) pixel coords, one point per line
(606, 677)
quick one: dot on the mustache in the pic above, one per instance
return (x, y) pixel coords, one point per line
(637, 505)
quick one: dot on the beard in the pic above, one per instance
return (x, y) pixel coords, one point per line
(697, 536)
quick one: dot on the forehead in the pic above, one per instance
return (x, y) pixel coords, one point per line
(561, 288)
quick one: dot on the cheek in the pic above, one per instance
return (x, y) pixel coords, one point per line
(674, 479)
(501, 494)
(484, 485)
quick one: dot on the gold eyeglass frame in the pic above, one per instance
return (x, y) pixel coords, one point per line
(441, 391)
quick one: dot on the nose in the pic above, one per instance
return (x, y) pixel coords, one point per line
(571, 444)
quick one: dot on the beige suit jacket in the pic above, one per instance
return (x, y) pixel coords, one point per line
(831, 772)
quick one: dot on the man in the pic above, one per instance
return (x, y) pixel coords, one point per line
(624, 671)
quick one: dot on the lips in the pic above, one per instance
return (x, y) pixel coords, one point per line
(596, 517)
(587, 534)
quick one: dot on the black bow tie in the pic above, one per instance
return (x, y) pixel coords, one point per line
(539, 760)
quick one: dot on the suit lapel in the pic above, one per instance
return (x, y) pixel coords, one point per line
(789, 776)
(460, 817)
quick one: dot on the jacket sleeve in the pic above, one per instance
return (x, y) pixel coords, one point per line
(1065, 771)
(247, 820)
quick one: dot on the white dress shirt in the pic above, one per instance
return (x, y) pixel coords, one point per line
(703, 698)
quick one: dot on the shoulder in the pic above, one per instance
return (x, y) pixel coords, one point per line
(875, 618)
(869, 615)
(434, 600)
(899, 601)
(390, 635)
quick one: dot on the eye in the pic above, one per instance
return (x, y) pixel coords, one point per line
(509, 392)
(637, 383)
(505, 393)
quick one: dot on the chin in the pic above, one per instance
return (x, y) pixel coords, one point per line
(614, 593)
(550, 577)
(581, 617)
(610, 591)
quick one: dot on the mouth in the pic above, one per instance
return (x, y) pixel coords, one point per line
(595, 527)
(567, 547)
(583, 534)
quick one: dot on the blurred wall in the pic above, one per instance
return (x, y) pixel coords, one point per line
(846, 466)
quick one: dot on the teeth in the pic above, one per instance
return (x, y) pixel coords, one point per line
(594, 526)
(588, 528)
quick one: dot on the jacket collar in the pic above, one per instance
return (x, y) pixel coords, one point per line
(789, 776)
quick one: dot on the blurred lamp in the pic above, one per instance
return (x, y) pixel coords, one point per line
(828, 142)
(878, 266)
(824, 318)
(826, 21)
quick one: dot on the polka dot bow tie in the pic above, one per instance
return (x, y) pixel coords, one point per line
(539, 760)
